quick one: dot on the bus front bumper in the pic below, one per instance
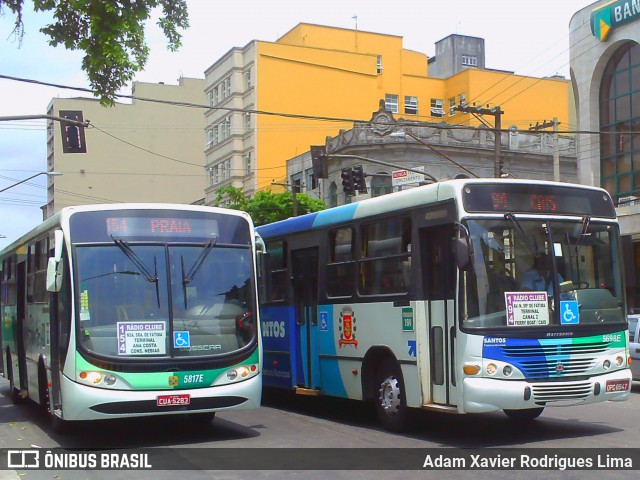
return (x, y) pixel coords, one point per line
(489, 394)
(82, 402)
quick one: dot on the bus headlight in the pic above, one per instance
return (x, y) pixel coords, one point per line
(507, 370)
(619, 361)
(241, 372)
(109, 379)
(491, 368)
(606, 364)
(91, 378)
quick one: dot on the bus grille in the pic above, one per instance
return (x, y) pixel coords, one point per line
(571, 392)
(545, 361)
(515, 351)
(555, 367)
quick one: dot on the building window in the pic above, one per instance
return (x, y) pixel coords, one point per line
(379, 64)
(333, 195)
(381, 184)
(211, 97)
(619, 124)
(220, 172)
(247, 122)
(452, 106)
(462, 99)
(437, 109)
(310, 180)
(247, 79)
(248, 160)
(470, 60)
(411, 105)
(391, 103)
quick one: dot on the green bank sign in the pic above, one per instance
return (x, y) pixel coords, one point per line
(613, 14)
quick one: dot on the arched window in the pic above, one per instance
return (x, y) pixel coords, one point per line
(381, 184)
(333, 195)
(620, 123)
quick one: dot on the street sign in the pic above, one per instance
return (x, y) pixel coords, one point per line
(405, 177)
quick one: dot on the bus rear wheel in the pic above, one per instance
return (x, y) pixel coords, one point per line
(390, 398)
(525, 415)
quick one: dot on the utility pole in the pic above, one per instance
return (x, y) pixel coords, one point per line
(496, 113)
(556, 144)
(295, 189)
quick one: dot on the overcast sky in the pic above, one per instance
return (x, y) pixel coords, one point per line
(527, 37)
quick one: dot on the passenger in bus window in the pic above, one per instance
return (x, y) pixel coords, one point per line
(539, 277)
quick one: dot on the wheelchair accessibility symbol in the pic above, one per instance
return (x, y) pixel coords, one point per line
(181, 340)
(569, 312)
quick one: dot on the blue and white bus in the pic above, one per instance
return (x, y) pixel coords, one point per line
(117, 311)
(428, 298)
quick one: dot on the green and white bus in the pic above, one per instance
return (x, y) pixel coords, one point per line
(428, 298)
(125, 310)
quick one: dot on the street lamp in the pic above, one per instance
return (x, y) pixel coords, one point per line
(419, 140)
(52, 174)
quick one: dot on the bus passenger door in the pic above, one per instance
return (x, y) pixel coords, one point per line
(21, 316)
(304, 268)
(439, 289)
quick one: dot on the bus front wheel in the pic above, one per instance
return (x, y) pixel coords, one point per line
(391, 402)
(16, 397)
(525, 415)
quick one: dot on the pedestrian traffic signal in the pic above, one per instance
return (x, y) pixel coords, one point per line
(347, 181)
(359, 182)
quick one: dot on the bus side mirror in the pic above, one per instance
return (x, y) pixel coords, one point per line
(264, 277)
(464, 253)
(54, 267)
(463, 248)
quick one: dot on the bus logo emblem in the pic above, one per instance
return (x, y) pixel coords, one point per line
(559, 368)
(347, 327)
(173, 381)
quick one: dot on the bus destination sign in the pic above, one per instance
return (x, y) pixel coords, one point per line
(551, 199)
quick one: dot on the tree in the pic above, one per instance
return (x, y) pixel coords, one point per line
(111, 33)
(266, 206)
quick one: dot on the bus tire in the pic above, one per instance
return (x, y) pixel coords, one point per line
(525, 415)
(390, 397)
(16, 398)
(58, 425)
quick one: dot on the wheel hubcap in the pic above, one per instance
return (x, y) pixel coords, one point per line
(389, 395)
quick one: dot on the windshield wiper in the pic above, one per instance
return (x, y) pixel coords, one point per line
(188, 278)
(124, 272)
(586, 220)
(137, 261)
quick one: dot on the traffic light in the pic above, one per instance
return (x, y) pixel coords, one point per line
(359, 182)
(347, 181)
(319, 161)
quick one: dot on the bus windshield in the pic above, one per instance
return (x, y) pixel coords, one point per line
(542, 273)
(145, 300)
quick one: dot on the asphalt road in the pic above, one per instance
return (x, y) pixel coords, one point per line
(287, 422)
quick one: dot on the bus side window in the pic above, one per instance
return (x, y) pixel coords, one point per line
(385, 265)
(341, 267)
(278, 274)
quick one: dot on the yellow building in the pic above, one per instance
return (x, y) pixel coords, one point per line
(322, 78)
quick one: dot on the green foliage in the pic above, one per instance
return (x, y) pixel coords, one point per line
(266, 206)
(111, 33)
